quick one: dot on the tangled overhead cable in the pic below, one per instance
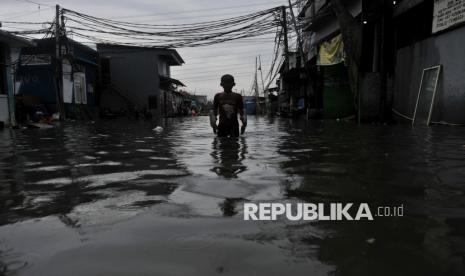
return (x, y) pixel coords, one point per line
(101, 30)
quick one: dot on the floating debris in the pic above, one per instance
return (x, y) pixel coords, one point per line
(371, 240)
(158, 129)
(145, 150)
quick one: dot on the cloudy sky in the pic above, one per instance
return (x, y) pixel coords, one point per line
(204, 65)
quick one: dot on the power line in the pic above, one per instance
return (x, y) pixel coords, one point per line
(234, 65)
(209, 72)
(25, 14)
(246, 28)
(214, 78)
(198, 34)
(35, 3)
(195, 11)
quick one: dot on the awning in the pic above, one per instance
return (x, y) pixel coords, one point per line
(166, 80)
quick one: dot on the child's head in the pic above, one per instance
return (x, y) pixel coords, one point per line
(227, 82)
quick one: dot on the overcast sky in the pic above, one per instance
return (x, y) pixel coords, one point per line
(204, 65)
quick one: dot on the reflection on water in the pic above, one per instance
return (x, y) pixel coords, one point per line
(228, 154)
(118, 198)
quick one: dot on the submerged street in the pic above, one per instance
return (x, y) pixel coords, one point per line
(119, 198)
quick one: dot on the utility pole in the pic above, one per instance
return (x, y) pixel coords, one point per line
(302, 58)
(261, 76)
(10, 87)
(286, 43)
(299, 38)
(261, 73)
(257, 105)
(286, 50)
(58, 74)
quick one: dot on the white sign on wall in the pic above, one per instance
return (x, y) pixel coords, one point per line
(448, 13)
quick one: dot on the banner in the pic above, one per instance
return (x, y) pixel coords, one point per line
(331, 52)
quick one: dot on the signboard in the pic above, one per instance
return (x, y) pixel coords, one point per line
(331, 52)
(447, 13)
(426, 95)
(36, 59)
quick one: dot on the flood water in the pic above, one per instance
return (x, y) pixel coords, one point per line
(118, 198)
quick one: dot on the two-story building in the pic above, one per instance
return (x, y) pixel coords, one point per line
(139, 78)
(325, 86)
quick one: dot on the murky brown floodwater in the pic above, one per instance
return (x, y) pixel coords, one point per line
(117, 198)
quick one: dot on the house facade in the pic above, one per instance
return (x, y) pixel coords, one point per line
(430, 33)
(46, 82)
(10, 49)
(410, 61)
(139, 78)
(314, 82)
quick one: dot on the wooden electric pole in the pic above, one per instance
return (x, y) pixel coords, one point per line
(58, 74)
(286, 43)
(299, 37)
(261, 73)
(257, 106)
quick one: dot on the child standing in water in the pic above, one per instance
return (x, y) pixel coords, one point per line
(228, 105)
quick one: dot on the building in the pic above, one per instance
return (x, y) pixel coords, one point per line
(293, 87)
(66, 84)
(200, 102)
(430, 34)
(271, 100)
(251, 107)
(139, 78)
(179, 102)
(408, 60)
(10, 48)
(319, 79)
(200, 99)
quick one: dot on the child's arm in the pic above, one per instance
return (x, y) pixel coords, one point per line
(242, 113)
(213, 114)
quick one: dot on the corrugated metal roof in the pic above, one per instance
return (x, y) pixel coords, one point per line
(14, 40)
